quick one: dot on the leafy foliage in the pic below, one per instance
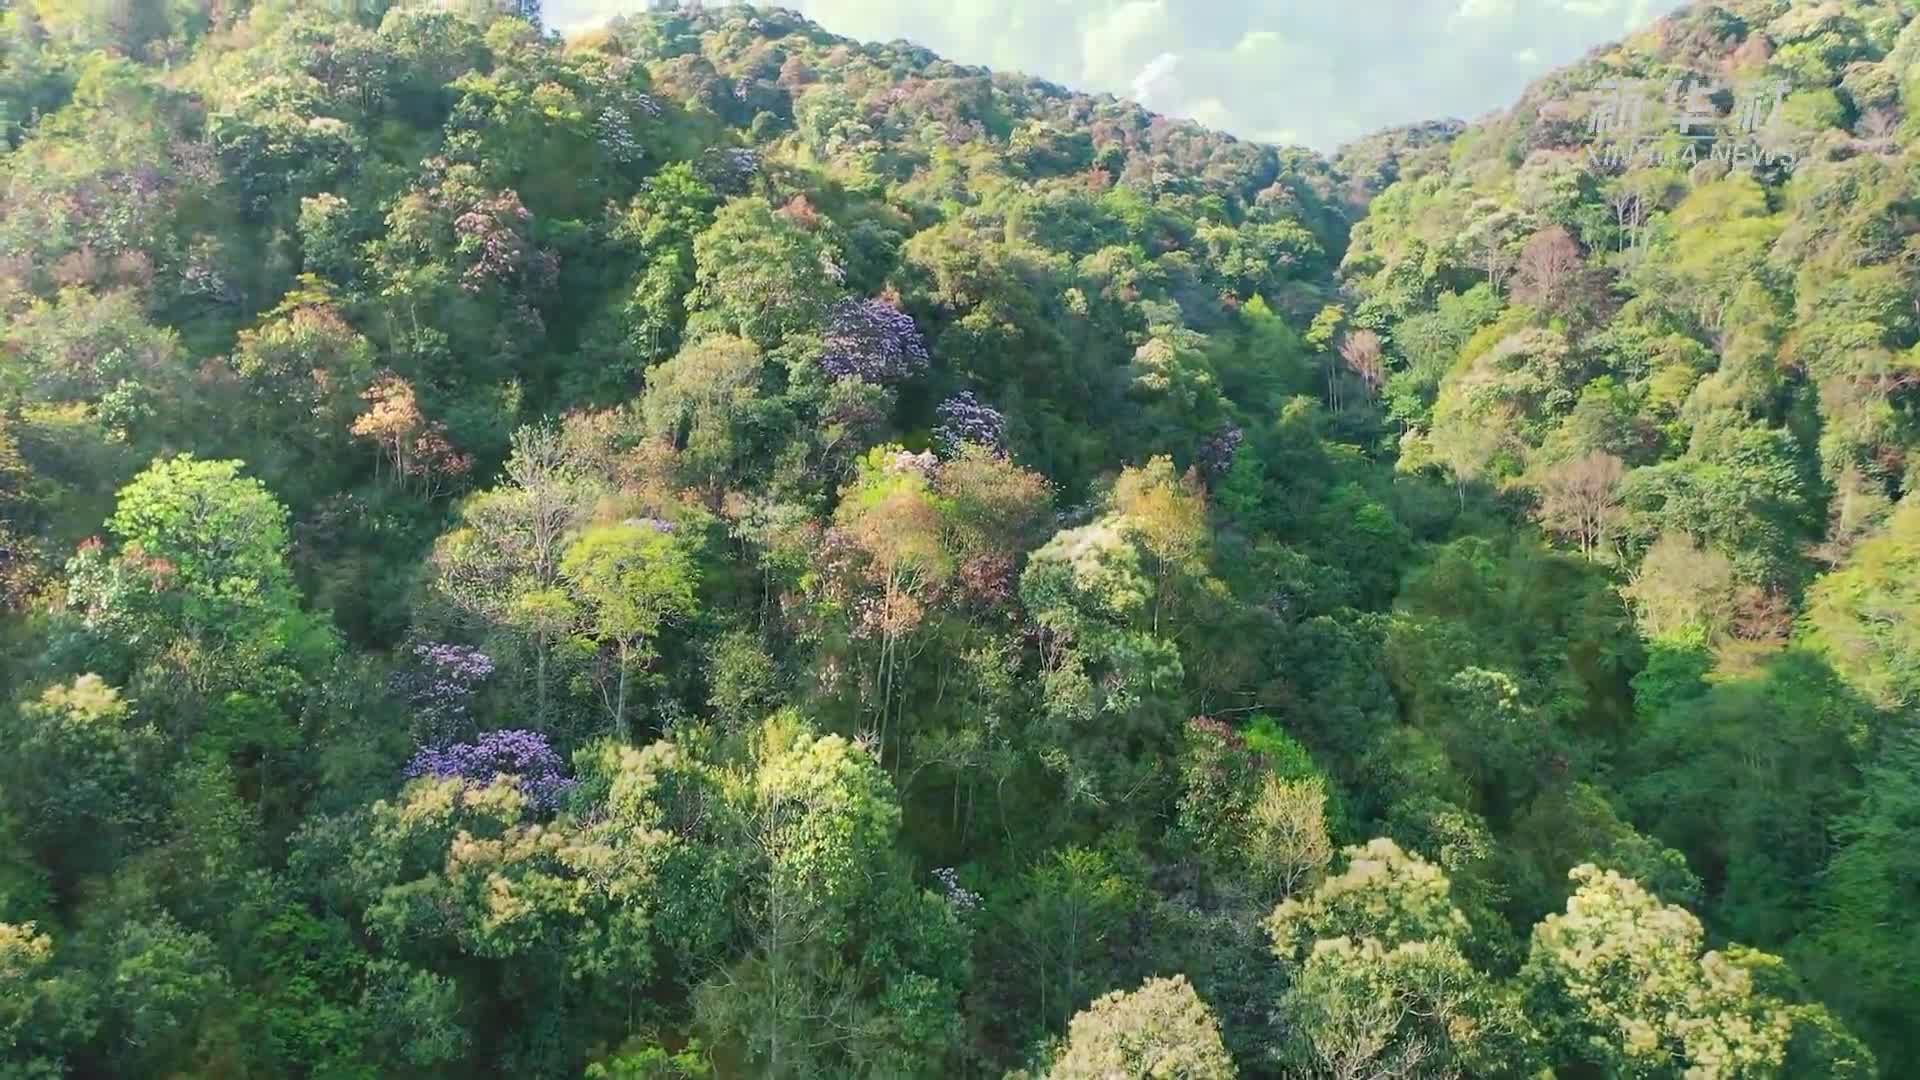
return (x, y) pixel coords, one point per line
(1161, 1029)
(704, 548)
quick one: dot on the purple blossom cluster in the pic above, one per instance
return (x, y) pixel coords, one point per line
(1217, 453)
(493, 235)
(870, 340)
(523, 755)
(201, 276)
(614, 127)
(659, 525)
(636, 101)
(963, 419)
(728, 170)
(962, 898)
(441, 685)
(458, 663)
(613, 131)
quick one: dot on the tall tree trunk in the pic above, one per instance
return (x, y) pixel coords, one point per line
(540, 679)
(620, 697)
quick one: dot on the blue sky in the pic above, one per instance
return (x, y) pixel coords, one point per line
(1316, 72)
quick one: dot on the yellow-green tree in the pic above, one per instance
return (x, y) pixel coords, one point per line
(1162, 1029)
(1619, 982)
(632, 578)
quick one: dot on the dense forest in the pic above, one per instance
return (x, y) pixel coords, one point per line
(708, 549)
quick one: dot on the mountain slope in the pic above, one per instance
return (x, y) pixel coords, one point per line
(1700, 371)
(712, 549)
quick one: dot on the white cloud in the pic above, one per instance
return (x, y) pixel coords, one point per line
(1256, 41)
(1485, 9)
(1153, 78)
(1210, 111)
(1112, 48)
(1590, 9)
(1315, 71)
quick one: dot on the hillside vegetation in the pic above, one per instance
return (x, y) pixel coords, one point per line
(708, 549)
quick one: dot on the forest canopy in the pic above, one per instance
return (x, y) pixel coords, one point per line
(704, 548)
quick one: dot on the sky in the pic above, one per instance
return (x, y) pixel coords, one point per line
(1312, 72)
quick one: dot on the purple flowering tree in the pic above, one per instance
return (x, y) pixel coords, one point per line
(615, 128)
(963, 419)
(963, 899)
(728, 169)
(494, 237)
(441, 686)
(1217, 453)
(871, 340)
(523, 755)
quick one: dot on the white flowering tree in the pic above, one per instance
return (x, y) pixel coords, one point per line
(1619, 981)
(1380, 985)
(1161, 1029)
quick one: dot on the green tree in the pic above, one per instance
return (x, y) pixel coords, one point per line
(1858, 951)
(642, 324)
(215, 538)
(101, 350)
(41, 1010)
(1109, 682)
(644, 1060)
(1071, 909)
(199, 585)
(81, 777)
(1860, 615)
(583, 913)
(762, 274)
(710, 401)
(163, 988)
(848, 967)
(632, 578)
(1748, 779)
(499, 572)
